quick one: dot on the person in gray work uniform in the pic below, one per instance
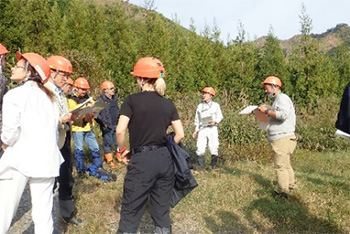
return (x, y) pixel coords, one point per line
(281, 134)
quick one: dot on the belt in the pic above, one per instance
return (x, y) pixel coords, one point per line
(146, 148)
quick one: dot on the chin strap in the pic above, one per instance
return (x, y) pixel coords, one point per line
(1, 57)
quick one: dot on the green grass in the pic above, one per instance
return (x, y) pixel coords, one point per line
(237, 198)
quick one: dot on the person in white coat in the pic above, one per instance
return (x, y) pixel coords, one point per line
(29, 136)
(208, 116)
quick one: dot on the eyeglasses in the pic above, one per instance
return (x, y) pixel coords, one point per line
(64, 75)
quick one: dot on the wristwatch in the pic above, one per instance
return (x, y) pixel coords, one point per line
(267, 111)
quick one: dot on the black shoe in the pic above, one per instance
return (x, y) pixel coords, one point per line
(281, 194)
(74, 221)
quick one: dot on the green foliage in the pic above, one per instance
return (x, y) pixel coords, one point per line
(316, 131)
(272, 61)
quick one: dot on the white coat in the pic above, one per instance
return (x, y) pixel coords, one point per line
(30, 129)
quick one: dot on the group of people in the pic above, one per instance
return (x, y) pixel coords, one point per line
(37, 122)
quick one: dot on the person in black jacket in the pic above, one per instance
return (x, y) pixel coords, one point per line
(108, 120)
(343, 121)
(150, 172)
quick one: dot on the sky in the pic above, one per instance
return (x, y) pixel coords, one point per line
(256, 16)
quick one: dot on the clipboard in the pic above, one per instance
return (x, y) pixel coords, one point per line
(264, 121)
(79, 108)
(98, 107)
(206, 120)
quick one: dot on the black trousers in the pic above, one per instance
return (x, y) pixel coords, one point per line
(149, 175)
(66, 181)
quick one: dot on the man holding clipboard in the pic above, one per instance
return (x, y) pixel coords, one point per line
(280, 132)
(208, 115)
(82, 130)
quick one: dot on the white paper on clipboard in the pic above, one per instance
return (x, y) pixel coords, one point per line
(97, 108)
(79, 108)
(264, 121)
(206, 120)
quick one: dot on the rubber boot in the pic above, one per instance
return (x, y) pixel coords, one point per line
(96, 158)
(79, 160)
(109, 160)
(119, 157)
(200, 161)
(214, 161)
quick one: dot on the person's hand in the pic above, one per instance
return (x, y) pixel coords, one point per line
(74, 116)
(3, 147)
(88, 117)
(262, 108)
(68, 117)
(194, 134)
(126, 157)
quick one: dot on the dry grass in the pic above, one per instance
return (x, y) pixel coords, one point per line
(237, 198)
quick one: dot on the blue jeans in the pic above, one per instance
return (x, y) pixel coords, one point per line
(109, 139)
(91, 142)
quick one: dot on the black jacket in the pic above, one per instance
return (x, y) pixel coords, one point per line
(184, 179)
(343, 121)
(110, 114)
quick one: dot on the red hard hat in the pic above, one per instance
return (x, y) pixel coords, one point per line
(149, 67)
(209, 90)
(40, 65)
(82, 83)
(3, 50)
(60, 63)
(107, 85)
(272, 80)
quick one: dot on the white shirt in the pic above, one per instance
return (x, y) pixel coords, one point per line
(30, 129)
(210, 109)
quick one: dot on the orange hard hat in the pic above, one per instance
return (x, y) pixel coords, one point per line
(149, 67)
(3, 50)
(82, 83)
(60, 63)
(70, 81)
(209, 90)
(107, 85)
(40, 65)
(272, 80)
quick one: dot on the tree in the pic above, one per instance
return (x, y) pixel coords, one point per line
(272, 61)
(310, 70)
(341, 60)
(242, 79)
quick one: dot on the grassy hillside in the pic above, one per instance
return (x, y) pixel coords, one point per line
(237, 198)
